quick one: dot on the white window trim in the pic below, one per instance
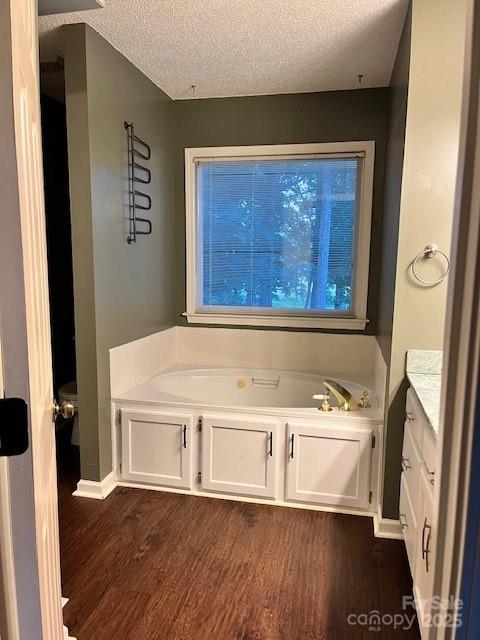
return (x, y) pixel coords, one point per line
(356, 320)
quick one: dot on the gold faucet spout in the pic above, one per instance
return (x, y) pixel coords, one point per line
(345, 399)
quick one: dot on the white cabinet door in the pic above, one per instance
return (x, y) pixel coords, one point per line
(423, 574)
(329, 465)
(157, 448)
(239, 455)
(408, 521)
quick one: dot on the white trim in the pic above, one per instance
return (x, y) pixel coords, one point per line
(65, 628)
(386, 527)
(96, 490)
(353, 148)
(316, 322)
(462, 347)
(91, 491)
(271, 502)
(8, 589)
(227, 316)
(8, 596)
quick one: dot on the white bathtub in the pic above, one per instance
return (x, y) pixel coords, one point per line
(243, 388)
(249, 434)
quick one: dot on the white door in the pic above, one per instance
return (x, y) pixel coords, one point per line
(21, 203)
(239, 455)
(329, 466)
(157, 447)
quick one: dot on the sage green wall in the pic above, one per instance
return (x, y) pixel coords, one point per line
(283, 119)
(122, 292)
(427, 201)
(395, 411)
(393, 186)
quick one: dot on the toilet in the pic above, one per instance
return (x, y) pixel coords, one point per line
(69, 393)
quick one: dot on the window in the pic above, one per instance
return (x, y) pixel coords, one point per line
(279, 235)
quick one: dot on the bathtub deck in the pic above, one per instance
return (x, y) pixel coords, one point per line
(146, 565)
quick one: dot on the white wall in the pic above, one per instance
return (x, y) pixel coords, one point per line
(350, 355)
(426, 204)
(136, 361)
(292, 350)
(429, 173)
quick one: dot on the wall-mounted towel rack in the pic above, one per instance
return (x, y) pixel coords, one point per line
(137, 174)
(429, 252)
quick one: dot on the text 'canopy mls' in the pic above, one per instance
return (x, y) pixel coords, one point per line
(277, 234)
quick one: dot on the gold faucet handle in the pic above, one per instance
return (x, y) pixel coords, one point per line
(365, 400)
(325, 398)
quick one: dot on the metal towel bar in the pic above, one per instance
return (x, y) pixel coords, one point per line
(147, 172)
(137, 174)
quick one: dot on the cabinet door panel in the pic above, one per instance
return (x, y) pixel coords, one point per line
(329, 466)
(156, 448)
(423, 574)
(238, 455)
(408, 522)
(410, 461)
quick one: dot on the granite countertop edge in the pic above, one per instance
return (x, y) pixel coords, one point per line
(424, 372)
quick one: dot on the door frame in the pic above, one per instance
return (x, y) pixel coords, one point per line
(462, 345)
(33, 552)
(9, 629)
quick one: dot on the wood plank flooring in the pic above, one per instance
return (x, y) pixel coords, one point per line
(145, 565)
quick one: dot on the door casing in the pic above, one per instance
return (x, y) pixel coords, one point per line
(26, 327)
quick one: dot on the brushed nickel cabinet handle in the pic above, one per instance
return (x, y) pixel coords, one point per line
(426, 541)
(427, 550)
(184, 436)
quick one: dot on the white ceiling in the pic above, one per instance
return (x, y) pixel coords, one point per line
(246, 47)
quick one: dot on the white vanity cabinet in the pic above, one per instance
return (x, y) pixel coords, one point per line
(416, 501)
(239, 455)
(157, 447)
(329, 465)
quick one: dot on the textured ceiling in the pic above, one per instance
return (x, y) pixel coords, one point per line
(246, 47)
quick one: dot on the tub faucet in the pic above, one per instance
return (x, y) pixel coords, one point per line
(346, 402)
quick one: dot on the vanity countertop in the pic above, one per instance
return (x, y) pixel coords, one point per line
(424, 372)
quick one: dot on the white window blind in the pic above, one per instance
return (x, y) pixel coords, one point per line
(277, 234)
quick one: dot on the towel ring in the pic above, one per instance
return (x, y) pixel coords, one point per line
(430, 251)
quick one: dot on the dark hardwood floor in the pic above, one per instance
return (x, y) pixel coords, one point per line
(146, 565)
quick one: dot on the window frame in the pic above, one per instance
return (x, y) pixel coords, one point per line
(355, 318)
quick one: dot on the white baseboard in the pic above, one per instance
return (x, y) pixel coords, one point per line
(227, 496)
(96, 490)
(386, 527)
(65, 629)
(65, 634)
